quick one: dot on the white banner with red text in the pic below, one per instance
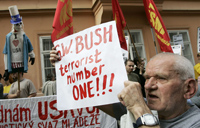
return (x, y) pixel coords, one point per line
(42, 112)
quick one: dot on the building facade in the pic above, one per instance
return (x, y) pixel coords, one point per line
(181, 17)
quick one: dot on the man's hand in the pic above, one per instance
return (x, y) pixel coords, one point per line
(15, 95)
(54, 56)
(131, 94)
(32, 57)
(18, 94)
(32, 60)
(32, 95)
(6, 75)
(131, 97)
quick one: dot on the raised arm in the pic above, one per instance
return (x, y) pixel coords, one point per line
(54, 56)
(131, 97)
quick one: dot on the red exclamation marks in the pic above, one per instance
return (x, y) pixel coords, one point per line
(97, 80)
(111, 81)
(104, 83)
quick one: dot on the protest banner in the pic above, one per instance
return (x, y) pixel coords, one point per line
(91, 70)
(41, 112)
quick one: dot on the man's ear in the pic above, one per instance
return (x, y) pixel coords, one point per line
(190, 88)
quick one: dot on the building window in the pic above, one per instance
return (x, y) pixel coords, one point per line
(139, 44)
(45, 48)
(187, 49)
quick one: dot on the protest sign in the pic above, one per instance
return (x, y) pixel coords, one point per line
(91, 70)
(177, 49)
(41, 112)
(178, 40)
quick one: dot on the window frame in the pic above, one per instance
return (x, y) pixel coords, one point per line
(184, 42)
(42, 53)
(140, 44)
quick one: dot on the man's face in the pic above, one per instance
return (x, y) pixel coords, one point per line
(163, 86)
(129, 66)
(142, 61)
(14, 76)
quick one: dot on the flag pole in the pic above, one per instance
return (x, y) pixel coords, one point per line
(18, 78)
(154, 40)
(132, 42)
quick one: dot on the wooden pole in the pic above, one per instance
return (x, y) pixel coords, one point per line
(133, 43)
(18, 78)
(154, 40)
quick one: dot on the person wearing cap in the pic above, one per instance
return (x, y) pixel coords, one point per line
(18, 47)
(197, 67)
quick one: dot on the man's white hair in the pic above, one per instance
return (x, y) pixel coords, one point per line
(181, 65)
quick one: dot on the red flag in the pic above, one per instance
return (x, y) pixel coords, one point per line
(157, 23)
(120, 21)
(62, 22)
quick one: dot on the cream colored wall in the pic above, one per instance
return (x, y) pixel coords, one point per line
(39, 23)
(28, 4)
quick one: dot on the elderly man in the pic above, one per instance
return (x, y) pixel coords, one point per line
(169, 83)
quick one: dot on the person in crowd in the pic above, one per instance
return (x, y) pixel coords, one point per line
(129, 64)
(7, 85)
(1, 88)
(27, 88)
(169, 83)
(139, 70)
(49, 87)
(197, 67)
(139, 62)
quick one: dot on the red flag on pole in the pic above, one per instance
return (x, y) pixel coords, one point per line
(157, 23)
(120, 21)
(62, 23)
